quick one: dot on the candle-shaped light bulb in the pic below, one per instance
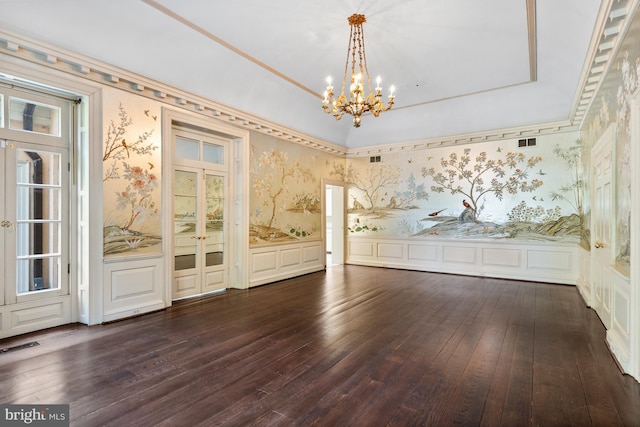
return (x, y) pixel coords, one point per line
(378, 80)
(391, 90)
(329, 81)
(326, 96)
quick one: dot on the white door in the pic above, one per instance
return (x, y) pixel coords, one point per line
(602, 255)
(200, 235)
(35, 226)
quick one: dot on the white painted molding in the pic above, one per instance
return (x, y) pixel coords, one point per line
(80, 66)
(270, 263)
(612, 23)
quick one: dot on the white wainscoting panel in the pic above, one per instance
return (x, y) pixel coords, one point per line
(391, 250)
(584, 275)
(459, 254)
(132, 287)
(619, 333)
(420, 253)
(16, 319)
(270, 263)
(501, 257)
(263, 262)
(290, 257)
(536, 261)
(361, 248)
(311, 254)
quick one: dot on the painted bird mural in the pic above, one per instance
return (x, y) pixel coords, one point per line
(437, 212)
(467, 205)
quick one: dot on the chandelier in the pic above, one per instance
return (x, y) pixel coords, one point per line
(356, 102)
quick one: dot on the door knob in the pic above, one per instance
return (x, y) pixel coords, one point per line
(6, 224)
(599, 245)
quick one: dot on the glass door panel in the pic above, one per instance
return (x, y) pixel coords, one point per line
(185, 200)
(214, 246)
(35, 222)
(38, 220)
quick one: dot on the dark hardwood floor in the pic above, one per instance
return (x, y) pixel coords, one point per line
(353, 346)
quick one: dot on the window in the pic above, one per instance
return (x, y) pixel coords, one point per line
(199, 150)
(34, 117)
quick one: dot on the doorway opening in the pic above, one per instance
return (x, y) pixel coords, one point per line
(334, 219)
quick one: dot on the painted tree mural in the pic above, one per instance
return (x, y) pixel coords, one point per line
(117, 148)
(275, 174)
(405, 199)
(571, 192)
(371, 182)
(459, 174)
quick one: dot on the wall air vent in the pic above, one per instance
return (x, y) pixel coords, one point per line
(374, 159)
(529, 142)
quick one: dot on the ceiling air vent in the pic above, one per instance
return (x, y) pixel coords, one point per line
(374, 159)
(529, 142)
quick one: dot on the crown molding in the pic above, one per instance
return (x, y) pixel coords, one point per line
(613, 20)
(612, 23)
(86, 68)
(469, 138)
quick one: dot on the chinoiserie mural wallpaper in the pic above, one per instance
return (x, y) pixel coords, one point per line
(286, 180)
(131, 175)
(492, 190)
(612, 106)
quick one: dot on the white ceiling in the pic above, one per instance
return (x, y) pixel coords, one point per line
(459, 66)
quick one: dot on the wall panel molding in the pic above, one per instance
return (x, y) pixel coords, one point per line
(133, 287)
(541, 262)
(270, 263)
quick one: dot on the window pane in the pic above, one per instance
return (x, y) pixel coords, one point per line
(38, 238)
(37, 203)
(38, 274)
(34, 117)
(38, 168)
(215, 255)
(187, 148)
(213, 153)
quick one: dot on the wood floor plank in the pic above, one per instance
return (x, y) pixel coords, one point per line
(352, 346)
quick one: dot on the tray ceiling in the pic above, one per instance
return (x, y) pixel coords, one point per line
(459, 66)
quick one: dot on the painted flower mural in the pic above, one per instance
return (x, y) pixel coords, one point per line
(131, 187)
(286, 193)
(137, 197)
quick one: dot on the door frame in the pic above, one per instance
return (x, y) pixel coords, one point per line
(341, 220)
(238, 177)
(43, 310)
(634, 315)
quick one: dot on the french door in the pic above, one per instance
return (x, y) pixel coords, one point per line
(34, 222)
(200, 232)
